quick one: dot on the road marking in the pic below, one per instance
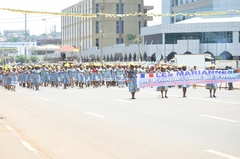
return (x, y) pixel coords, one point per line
(9, 128)
(120, 100)
(214, 117)
(220, 101)
(99, 116)
(222, 154)
(45, 99)
(29, 147)
(70, 91)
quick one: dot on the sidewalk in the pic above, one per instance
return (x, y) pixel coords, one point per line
(12, 146)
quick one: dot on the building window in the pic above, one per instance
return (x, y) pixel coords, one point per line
(139, 8)
(139, 27)
(119, 41)
(119, 27)
(204, 37)
(97, 42)
(97, 27)
(120, 8)
(122, 27)
(117, 9)
(97, 8)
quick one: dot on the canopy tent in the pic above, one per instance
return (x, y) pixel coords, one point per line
(68, 48)
(225, 55)
(171, 55)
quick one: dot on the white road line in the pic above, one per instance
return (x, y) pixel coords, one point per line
(222, 154)
(70, 91)
(220, 101)
(219, 118)
(99, 116)
(45, 99)
(120, 100)
(9, 128)
(29, 147)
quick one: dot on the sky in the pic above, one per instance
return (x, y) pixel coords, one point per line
(35, 22)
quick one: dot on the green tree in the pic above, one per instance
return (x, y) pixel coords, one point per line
(13, 39)
(21, 58)
(45, 58)
(131, 39)
(33, 58)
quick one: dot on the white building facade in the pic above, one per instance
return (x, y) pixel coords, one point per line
(217, 35)
(194, 6)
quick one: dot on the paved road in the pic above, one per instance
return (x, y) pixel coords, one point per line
(104, 123)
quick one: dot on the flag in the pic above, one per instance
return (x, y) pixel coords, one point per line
(142, 75)
(151, 75)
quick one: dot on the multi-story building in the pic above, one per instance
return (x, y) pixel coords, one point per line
(194, 6)
(102, 31)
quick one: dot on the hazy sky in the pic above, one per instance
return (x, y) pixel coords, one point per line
(15, 21)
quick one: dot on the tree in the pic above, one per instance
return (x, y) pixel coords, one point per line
(44, 58)
(130, 57)
(134, 57)
(33, 58)
(20, 58)
(111, 57)
(131, 39)
(125, 57)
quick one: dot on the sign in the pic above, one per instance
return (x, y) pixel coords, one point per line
(16, 44)
(187, 77)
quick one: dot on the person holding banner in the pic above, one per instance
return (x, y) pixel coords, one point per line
(163, 88)
(132, 80)
(184, 86)
(212, 86)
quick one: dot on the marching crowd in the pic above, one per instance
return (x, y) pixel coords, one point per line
(87, 75)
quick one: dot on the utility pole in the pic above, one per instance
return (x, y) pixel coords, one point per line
(102, 30)
(25, 49)
(138, 38)
(46, 37)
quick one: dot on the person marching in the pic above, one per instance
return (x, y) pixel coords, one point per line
(132, 76)
(194, 69)
(163, 88)
(14, 78)
(66, 78)
(212, 86)
(184, 86)
(36, 79)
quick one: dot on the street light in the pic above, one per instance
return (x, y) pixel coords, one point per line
(46, 36)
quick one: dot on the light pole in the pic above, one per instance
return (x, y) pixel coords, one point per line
(46, 36)
(25, 49)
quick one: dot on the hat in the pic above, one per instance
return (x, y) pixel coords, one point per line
(131, 64)
(212, 65)
(183, 65)
(164, 67)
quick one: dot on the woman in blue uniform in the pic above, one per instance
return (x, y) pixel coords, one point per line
(163, 88)
(184, 86)
(212, 86)
(66, 77)
(132, 77)
(36, 77)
